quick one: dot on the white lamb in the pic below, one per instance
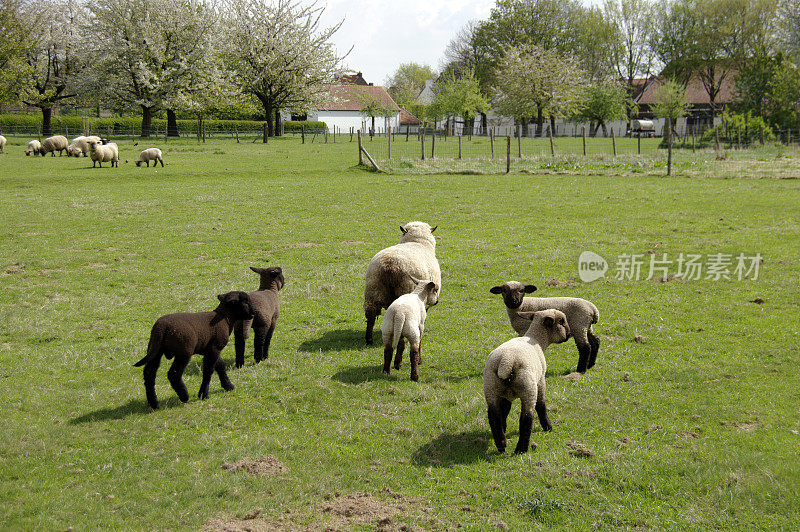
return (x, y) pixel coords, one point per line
(405, 318)
(150, 154)
(104, 153)
(516, 369)
(391, 270)
(581, 315)
(2, 144)
(56, 143)
(80, 145)
(33, 147)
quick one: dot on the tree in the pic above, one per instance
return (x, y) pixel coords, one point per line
(277, 52)
(459, 96)
(789, 26)
(598, 38)
(408, 80)
(14, 45)
(55, 55)
(604, 103)
(533, 81)
(632, 55)
(150, 54)
(670, 104)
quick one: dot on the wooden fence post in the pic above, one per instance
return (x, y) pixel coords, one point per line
(669, 146)
(716, 139)
(360, 156)
(390, 142)
(739, 137)
(491, 141)
(519, 141)
(433, 144)
(459, 146)
(639, 143)
(613, 142)
(408, 128)
(508, 154)
(761, 134)
(694, 139)
(552, 146)
(584, 141)
(422, 142)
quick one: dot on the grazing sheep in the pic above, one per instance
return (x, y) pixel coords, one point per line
(581, 314)
(183, 334)
(33, 147)
(56, 143)
(405, 318)
(103, 152)
(266, 308)
(80, 145)
(2, 144)
(150, 154)
(516, 369)
(391, 270)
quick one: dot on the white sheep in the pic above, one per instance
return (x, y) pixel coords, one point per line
(581, 315)
(80, 145)
(391, 270)
(56, 143)
(150, 154)
(405, 318)
(105, 152)
(33, 147)
(2, 144)
(516, 369)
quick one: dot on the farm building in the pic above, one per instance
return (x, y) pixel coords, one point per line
(350, 106)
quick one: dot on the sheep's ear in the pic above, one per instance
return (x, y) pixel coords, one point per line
(257, 270)
(529, 289)
(434, 228)
(403, 230)
(496, 289)
(221, 297)
(430, 286)
(548, 322)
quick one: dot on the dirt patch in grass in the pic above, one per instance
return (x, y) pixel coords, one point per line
(266, 466)
(344, 512)
(356, 243)
(561, 284)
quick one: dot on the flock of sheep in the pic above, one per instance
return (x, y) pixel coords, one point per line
(99, 150)
(404, 279)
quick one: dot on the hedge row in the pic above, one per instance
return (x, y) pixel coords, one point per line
(125, 124)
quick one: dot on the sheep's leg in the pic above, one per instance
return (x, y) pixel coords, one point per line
(209, 362)
(496, 424)
(415, 356)
(370, 314)
(387, 358)
(150, 370)
(541, 407)
(584, 350)
(398, 358)
(258, 341)
(525, 428)
(594, 342)
(505, 408)
(162, 163)
(265, 337)
(175, 376)
(238, 343)
(220, 368)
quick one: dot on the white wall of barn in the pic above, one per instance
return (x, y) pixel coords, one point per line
(344, 120)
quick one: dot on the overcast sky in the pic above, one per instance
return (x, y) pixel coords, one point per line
(385, 33)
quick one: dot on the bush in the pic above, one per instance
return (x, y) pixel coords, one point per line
(732, 123)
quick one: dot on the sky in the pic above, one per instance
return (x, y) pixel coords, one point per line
(386, 33)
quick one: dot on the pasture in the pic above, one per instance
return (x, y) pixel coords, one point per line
(690, 419)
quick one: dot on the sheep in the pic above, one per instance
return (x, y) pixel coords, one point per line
(80, 145)
(405, 318)
(516, 369)
(2, 144)
(581, 314)
(391, 270)
(150, 154)
(33, 148)
(183, 334)
(105, 152)
(56, 143)
(266, 308)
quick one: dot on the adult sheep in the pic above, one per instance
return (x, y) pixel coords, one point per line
(33, 147)
(2, 144)
(393, 270)
(80, 145)
(105, 152)
(56, 143)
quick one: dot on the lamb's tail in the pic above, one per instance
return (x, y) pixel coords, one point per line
(242, 329)
(506, 366)
(153, 347)
(595, 314)
(397, 332)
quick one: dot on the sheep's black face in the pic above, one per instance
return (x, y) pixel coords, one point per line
(238, 304)
(276, 276)
(513, 292)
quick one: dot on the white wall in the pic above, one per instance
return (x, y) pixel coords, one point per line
(344, 120)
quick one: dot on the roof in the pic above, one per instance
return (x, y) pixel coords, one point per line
(695, 91)
(407, 119)
(356, 97)
(353, 79)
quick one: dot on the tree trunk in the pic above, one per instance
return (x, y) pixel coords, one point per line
(47, 124)
(540, 123)
(147, 121)
(484, 124)
(553, 125)
(172, 124)
(278, 122)
(270, 123)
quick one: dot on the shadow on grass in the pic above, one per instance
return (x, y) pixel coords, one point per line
(336, 340)
(132, 407)
(449, 449)
(359, 374)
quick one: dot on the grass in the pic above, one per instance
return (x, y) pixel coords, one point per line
(691, 412)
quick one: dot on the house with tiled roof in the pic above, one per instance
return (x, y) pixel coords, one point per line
(351, 106)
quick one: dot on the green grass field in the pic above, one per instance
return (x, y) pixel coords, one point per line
(691, 415)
